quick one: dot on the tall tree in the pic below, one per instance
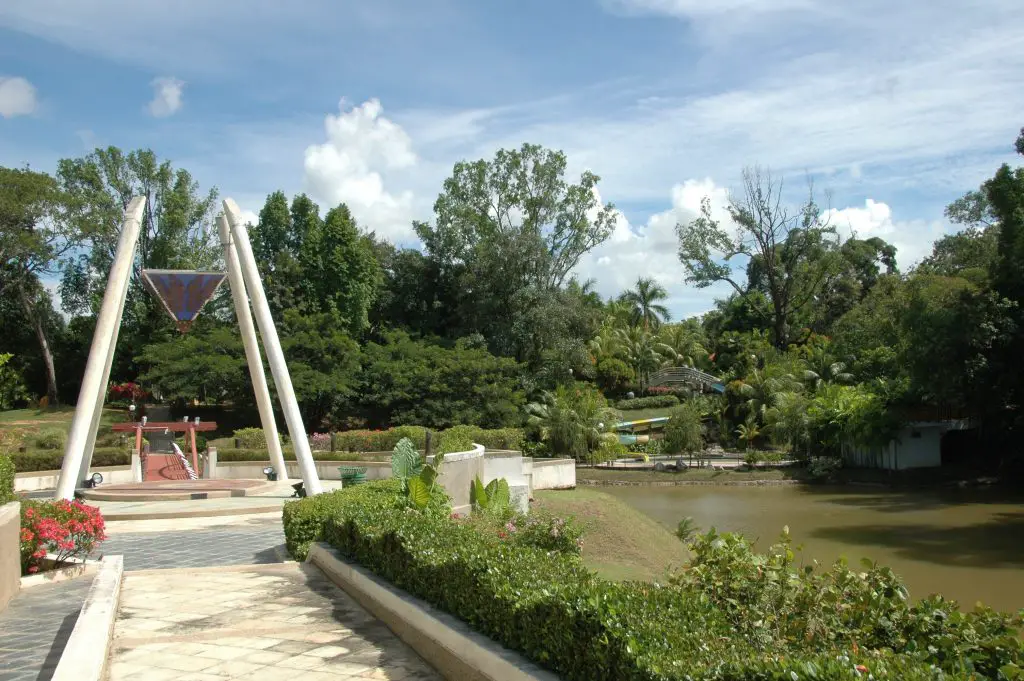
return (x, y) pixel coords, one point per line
(339, 270)
(518, 209)
(508, 233)
(792, 255)
(645, 301)
(34, 235)
(176, 233)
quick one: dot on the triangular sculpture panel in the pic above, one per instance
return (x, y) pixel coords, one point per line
(182, 292)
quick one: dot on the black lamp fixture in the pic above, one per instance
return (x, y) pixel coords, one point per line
(270, 473)
(300, 490)
(93, 480)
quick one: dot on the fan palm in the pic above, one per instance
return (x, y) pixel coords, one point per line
(643, 351)
(571, 419)
(644, 302)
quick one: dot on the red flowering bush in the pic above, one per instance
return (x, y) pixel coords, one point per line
(64, 529)
(128, 391)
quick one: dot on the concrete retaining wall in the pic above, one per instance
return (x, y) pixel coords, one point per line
(10, 552)
(458, 472)
(553, 474)
(36, 480)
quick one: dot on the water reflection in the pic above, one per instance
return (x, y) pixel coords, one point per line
(966, 544)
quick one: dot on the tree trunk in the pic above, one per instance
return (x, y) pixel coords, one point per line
(44, 345)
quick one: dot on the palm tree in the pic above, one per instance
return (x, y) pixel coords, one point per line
(686, 343)
(823, 368)
(642, 350)
(645, 305)
(571, 420)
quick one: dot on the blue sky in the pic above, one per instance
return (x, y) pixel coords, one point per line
(894, 107)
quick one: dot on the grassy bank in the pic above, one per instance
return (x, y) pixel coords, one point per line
(20, 426)
(619, 542)
(638, 414)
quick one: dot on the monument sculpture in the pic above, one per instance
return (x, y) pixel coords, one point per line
(183, 294)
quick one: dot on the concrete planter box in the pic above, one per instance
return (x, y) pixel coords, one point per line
(33, 481)
(10, 552)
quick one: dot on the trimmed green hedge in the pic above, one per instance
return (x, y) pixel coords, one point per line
(491, 438)
(652, 402)
(6, 479)
(559, 614)
(229, 455)
(51, 460)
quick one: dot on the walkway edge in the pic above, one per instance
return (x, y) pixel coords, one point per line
(446, 643)
(85, 655)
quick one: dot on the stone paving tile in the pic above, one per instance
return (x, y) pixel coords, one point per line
(256, 544)
(263, 623)
(35, 627)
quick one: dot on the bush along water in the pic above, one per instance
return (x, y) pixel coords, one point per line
(730, 614)
(66, 530)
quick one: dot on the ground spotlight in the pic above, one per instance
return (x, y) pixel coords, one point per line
(270, 473)
(93, 480)
(300, 490)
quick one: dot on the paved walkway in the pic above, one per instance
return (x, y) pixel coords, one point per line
(36, 625)
(261, 623)
(254, 544)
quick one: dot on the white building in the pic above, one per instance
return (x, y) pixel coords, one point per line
(918, 445)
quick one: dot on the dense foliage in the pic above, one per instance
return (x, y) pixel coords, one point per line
(822, 343)
(729, 614)
(6, 479)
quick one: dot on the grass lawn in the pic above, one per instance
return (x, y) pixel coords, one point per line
(619, 542)
(638, 414)
(702, 474)
(17, 424)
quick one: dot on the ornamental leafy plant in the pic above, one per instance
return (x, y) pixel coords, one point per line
(417, 477)
(66, 530)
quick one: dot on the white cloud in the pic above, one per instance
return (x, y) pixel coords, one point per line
(700, 8)
(912, 238)
(651, 250)
(361, 143)
(167, 96)
(17, 97)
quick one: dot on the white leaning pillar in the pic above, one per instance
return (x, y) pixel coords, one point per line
(252, 349)
(272, 344)
(93, 383)
(90, 445)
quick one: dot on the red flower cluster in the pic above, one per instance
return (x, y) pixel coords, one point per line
(127, 391)
(64, 529)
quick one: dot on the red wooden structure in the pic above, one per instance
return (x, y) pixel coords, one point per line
(166, 467)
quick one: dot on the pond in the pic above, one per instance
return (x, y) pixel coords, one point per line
(967, 545)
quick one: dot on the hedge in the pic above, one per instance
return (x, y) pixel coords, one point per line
(652, 402)
(51, 460)
(559, 614)
(229, 455)
(378, 440)
(6, 479)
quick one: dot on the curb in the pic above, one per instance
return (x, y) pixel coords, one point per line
(454, 650)
(112, 516)
(85, 654)
(74, 571)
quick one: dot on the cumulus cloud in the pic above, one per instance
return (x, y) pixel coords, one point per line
(17, 97)
(913, 238)
(167, 96)
(650, 250)
(347, 168)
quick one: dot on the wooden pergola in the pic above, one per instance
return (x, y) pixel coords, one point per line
(188, 427)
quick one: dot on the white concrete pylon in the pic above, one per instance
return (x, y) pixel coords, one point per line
(272, 344)
(252, 348)
(94, 383)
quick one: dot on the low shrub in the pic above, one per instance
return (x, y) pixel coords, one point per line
(651, 402)
(456, 439)
(51, 460)
(250, 438)
(233, 455)
(51, 438)
(491, 438)
(6, 479)
(64, 529)
(320, 442)
(729, 615)
(378, 440)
